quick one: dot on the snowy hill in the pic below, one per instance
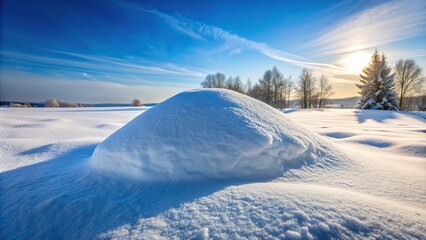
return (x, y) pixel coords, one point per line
(373, 189)
(210, 133)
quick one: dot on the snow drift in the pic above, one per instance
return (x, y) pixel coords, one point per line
(207, 133)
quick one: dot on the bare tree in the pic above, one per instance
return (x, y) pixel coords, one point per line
(136, 103)
(67, 104)
(306, 88)
(266, 85)
(235, 84)
(282, 93)
(216, 80)
(56, 103)
(289, 89)
(249, 88)
(229, 83)
(51, 103)
(421, 103)
(277, 87)
(257, 92)
(408, 81)
(314, 99)
(324, 91)
(273, 86)
(238, 85)
(208, 81)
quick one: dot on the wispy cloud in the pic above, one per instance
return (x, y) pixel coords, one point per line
(385, 23)
(183, 27)
(412, 53)
(233, 42)
(168, 68)
(237, 42)
(105, 68)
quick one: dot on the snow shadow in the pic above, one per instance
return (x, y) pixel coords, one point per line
(64, 199)
(376, 143)
(418, 115)
(37, 150)
(289, 110)
(339, 135)
(375, 115)
(127, 109)
(381, 115)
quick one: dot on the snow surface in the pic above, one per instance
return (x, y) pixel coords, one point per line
(210, 133)
(374, 190)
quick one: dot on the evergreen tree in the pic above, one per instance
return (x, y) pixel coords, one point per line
(377, 87)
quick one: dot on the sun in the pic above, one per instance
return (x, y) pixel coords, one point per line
(356, 61)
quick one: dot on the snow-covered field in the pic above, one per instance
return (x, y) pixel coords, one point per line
(376, 189)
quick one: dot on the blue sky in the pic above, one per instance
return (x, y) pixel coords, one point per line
(113, 51)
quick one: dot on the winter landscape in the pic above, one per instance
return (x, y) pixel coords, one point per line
(326, 174)
(155, 127)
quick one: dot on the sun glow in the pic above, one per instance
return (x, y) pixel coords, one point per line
(355, 62)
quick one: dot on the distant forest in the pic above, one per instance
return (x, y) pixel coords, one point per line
(380, 88)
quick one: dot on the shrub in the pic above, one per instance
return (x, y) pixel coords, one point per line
(56, 103)
(137, 103)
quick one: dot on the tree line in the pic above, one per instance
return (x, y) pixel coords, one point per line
(275, 89)
(380, 89)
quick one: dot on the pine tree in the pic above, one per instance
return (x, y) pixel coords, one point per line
(377, 87)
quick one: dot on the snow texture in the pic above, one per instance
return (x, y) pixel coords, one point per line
(283, 211)
(205, 134)
(373, 189)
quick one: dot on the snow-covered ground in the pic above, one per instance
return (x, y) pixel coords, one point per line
(211, 134)
(376, 190)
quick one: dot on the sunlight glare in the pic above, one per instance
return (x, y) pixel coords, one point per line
(355, 62)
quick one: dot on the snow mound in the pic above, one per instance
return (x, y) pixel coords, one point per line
(205, 134)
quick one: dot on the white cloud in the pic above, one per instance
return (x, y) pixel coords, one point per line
(81, 68)
(232, 41)
(385, 23)
(181, 26)
(97, 64)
